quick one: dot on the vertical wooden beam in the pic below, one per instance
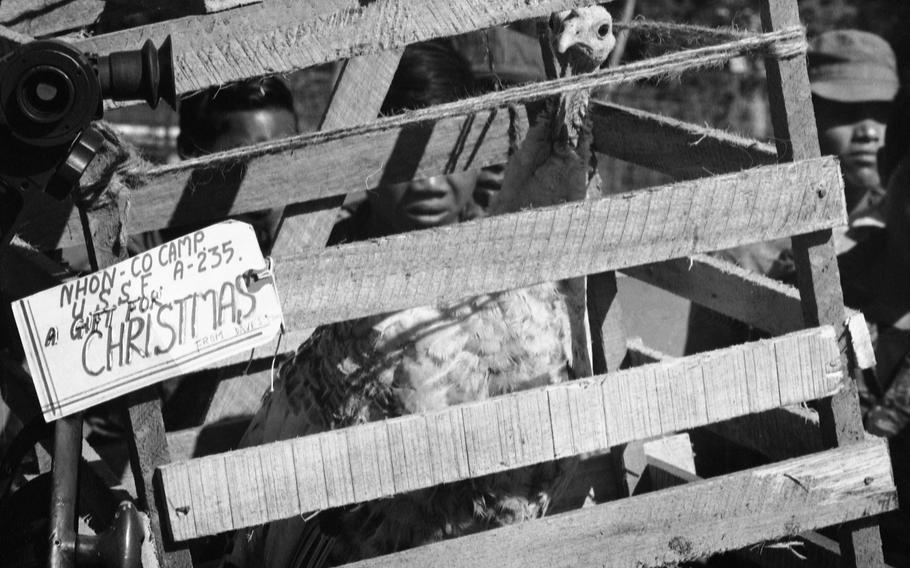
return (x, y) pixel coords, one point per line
(818, 277)
(148, 450)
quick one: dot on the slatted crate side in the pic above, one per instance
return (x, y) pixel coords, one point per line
(417, 451)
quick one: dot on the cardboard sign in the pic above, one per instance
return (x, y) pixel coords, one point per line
(173, 309)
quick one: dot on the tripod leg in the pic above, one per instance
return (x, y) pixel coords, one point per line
(67, 451)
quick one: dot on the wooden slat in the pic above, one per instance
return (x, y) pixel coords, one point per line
(53, 18)
(796, 551)
(726, 288)
(318, 166)
(286, 35)
(687, 522)
(778, 434)
(581, 416)
(682, 150)
(148, 449)
(748, 297)
(555, 243)
(361, 89)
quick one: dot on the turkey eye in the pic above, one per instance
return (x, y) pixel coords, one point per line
(603, 30)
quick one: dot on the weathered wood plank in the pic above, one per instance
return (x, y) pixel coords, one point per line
(726, 288)
(680, 149)
(148, 449)
(371, 465)
(520, 249)
(286, 35)
(818, 276)
(796, 551)
(745, 296)
(510, 431)
(687, 522)
(182, 523)
(52, 17)
(309, 471)
(361, 89)
(779, 434)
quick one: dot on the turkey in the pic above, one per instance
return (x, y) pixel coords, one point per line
(432, 357)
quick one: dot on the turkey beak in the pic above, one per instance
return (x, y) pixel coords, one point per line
(570, 36)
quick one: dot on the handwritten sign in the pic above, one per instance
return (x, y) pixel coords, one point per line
(173, 309)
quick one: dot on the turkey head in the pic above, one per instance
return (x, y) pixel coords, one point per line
(581, 39)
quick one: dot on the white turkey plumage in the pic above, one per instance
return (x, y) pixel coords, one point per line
(428, 358)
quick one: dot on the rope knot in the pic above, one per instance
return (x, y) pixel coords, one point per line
(791, 44)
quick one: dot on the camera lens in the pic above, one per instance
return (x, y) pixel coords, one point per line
(48, 93)
(45, 94)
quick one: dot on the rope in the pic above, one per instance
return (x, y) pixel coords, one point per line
(781, 44)
(104, 191)
(688, 34)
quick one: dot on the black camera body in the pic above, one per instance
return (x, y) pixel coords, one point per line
(50, 92)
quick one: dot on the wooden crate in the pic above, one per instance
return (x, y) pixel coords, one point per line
(731, 192)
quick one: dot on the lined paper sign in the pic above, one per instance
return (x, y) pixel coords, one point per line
(173, 309)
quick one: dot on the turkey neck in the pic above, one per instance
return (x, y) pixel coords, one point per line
(572, 125)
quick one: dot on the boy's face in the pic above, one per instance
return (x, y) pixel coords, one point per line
(854, 132)
(422, 203)
(244, 127)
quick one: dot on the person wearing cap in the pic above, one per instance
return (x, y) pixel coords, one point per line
(880, 287)
(853, 79)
